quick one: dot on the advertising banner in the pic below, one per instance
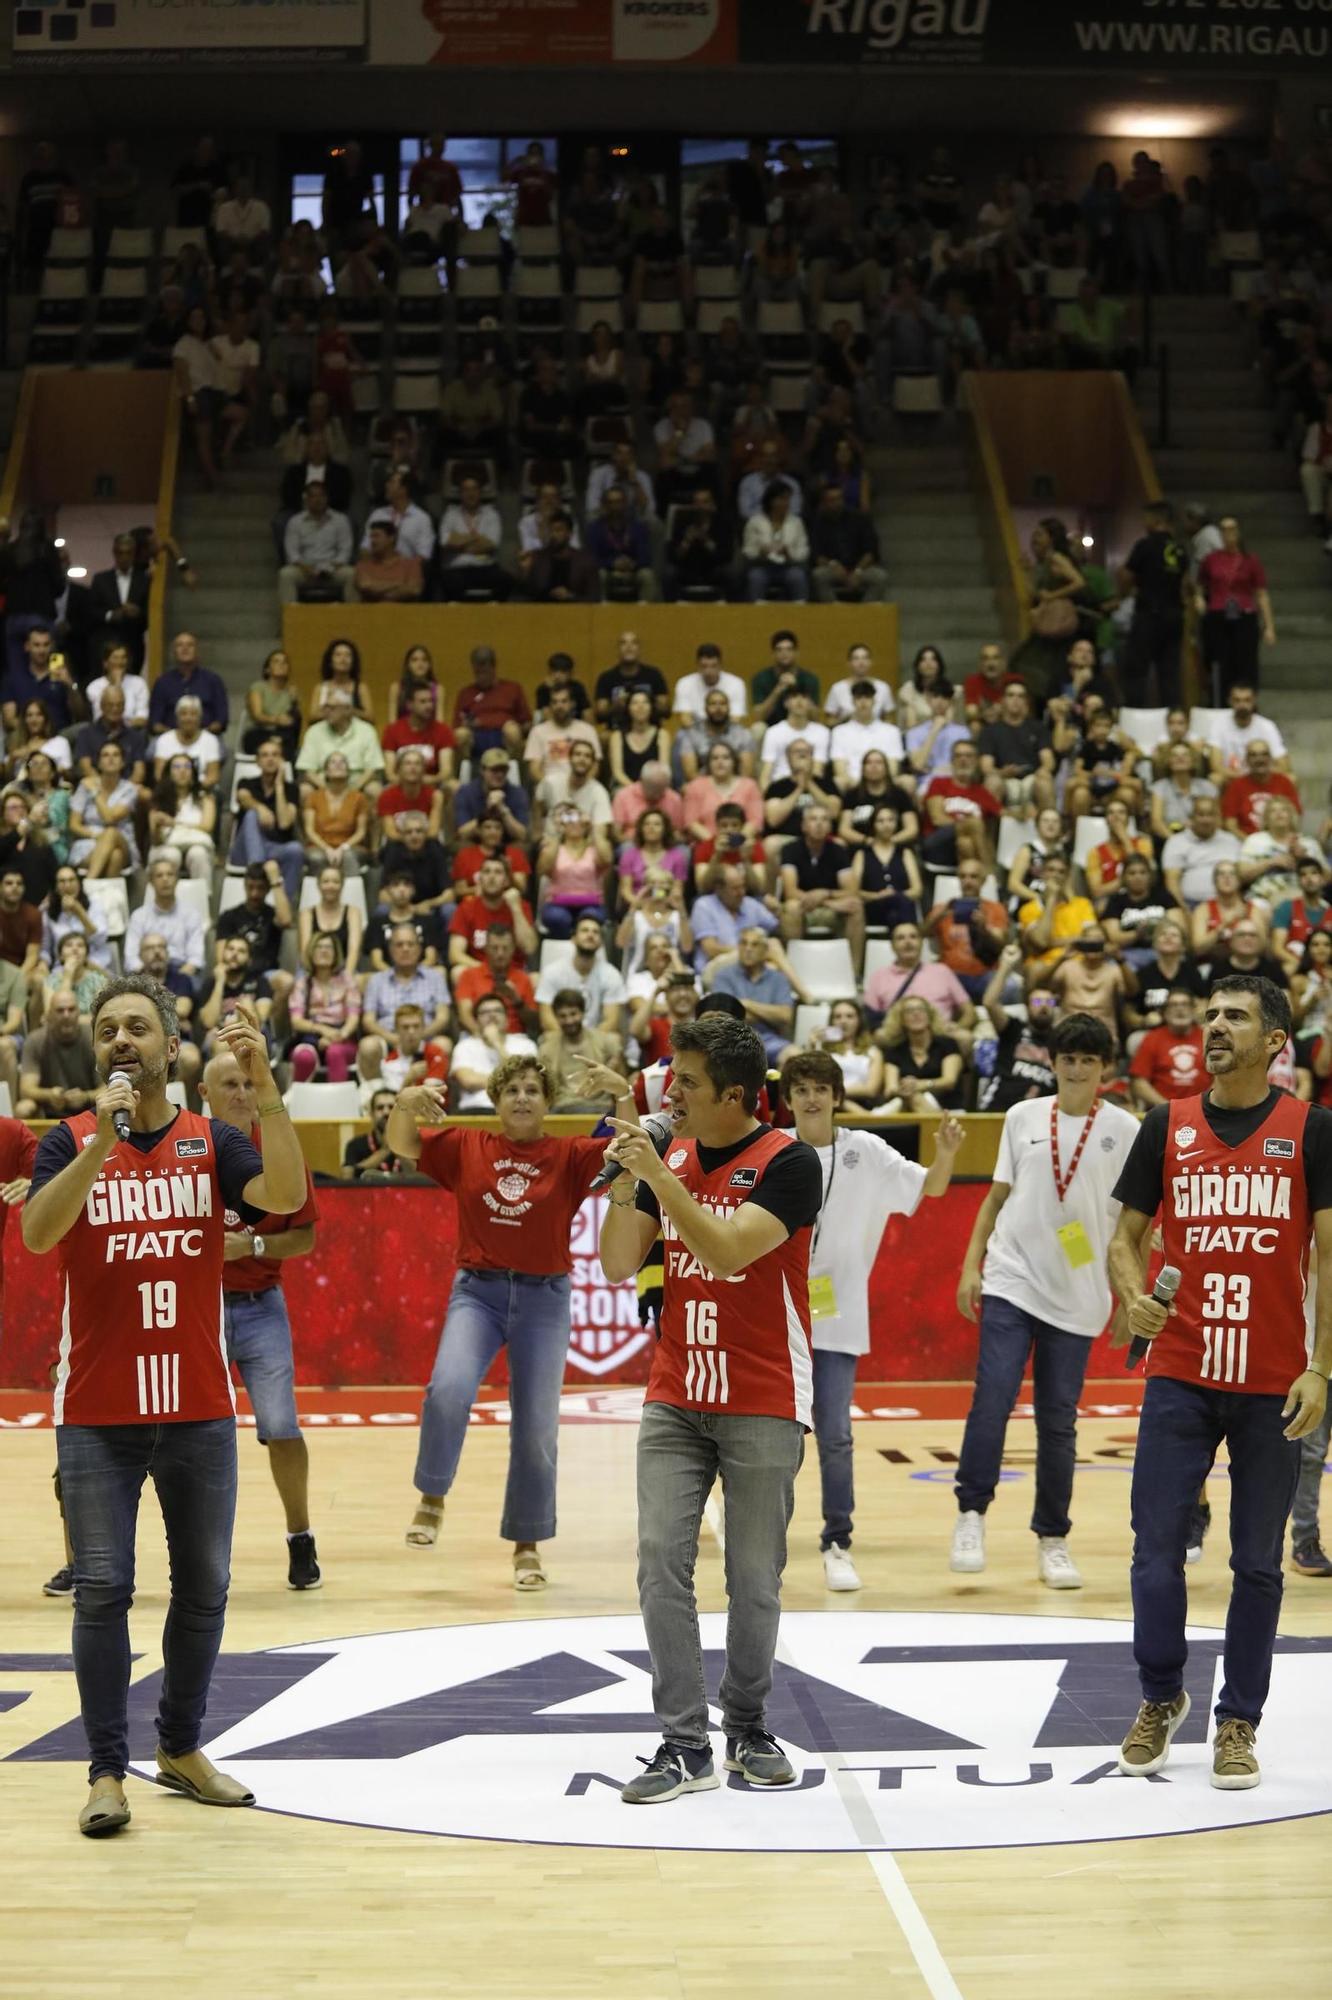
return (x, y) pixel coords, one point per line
(544, 34)
(1215, 36)
(67, 33)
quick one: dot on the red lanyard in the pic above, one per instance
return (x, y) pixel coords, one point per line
(1063, 1182)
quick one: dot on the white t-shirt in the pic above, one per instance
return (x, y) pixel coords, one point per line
(691, 691)
(852, 740)
(206, 749)
(872, 1181)
(478, 1056)
(840, 706)
(778, 738)
(1233, 743)
(136, 696)
(1025, 1262)
(602, 987)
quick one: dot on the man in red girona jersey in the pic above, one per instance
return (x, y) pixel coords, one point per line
(731, 1389)
(142, 1385)
(1243, 1176)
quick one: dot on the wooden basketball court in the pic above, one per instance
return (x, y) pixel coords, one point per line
(278, 1902)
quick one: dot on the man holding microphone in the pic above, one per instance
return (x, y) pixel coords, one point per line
(1243, 1175)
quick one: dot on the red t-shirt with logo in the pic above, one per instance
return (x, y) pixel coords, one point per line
(467, 864)
(962, 801)
(474, 917)
(516, 1199)
(1171, 1063)
(404, 734)
(260, 1274)
(394, 799)
(1245, 799)
(976, 690)
(478, 980)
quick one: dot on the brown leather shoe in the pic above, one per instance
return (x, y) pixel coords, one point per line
(107, 1810)
(205, 1784)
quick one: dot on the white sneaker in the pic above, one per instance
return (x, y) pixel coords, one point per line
(968, 1551)
(839, 1572)
(1194, 1554)
(1055, 1566)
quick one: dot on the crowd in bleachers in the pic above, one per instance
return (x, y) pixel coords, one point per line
(919, 881)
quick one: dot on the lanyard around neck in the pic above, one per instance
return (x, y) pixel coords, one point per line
(827, 1197)
(1063, 1182)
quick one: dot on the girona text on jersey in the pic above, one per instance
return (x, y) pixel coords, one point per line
(171, 1198)
(1207, 1202)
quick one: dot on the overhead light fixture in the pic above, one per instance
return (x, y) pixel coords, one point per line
(1165, 121)
(77, 572)
(1089, 541)
(60, 541)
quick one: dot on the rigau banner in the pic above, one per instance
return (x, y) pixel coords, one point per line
(1206, 35)
(68, 33)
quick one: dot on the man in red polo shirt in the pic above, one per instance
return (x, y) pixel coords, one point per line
(1168, 1061)
(961, 812)
(496, 902)
(490, 714)
(1244, 800)
(419, 730)
(497, 973)
(982, 690)
(412, 793)
(254, 1314)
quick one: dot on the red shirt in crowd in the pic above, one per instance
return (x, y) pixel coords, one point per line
(18, 1150)
(404, 734)
(478, 980)
(1230, 576)
(1245, 799)
(490, 708)
(260, 1274)
(516, 1199)
(1170, 1062)
(397, 799)
(705, 850)
(467, 864)
(447, 179)
(962, 801)
(977, 690)
(474, 917)
(18, 929)
(952, 934)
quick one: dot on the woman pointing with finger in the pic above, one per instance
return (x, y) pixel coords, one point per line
(517, 1192)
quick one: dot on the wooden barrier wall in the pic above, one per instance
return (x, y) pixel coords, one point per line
(524, 637)
(77, 428)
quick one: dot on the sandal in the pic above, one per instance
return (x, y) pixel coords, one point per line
(527, 1571)
(106, 1812)
(424, 1531)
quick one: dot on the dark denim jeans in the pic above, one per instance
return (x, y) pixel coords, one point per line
(1059, 1365)
(1181, 1427)
(834, 1386)
(102, 1470)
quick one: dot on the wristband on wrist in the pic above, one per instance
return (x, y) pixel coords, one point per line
(270, 1110)
(1311, 1370)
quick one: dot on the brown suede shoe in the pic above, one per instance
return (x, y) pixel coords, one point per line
(207, 1786)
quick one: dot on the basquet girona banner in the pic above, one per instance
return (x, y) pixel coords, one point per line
(368, 1303)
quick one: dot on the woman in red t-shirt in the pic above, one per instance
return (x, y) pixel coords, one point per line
(517, 1193)
(1235, 608)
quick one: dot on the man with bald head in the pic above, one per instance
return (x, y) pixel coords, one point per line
(258, 1332)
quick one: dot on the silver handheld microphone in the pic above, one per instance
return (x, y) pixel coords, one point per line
(120, 1120)
(657, 1125)
(1163, 1291)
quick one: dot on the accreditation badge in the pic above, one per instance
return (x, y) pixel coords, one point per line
(822, 1298)
(1076, 1245)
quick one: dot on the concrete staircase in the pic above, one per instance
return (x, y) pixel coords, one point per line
(1221, 452)
(228, 537)
(933, 547)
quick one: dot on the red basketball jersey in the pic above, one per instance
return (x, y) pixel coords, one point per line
(141, 1339)
(737, 1345)
(1236, 1224)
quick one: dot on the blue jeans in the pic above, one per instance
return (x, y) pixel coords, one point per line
(762, 577)
(252, 845)
(834, 1386)
(1313, 1463)
(1059, 1365)
(680, 1455)
(558, 919)
(259, 1344)
(530, 1316)
(102, 1470)
(1181, 1427)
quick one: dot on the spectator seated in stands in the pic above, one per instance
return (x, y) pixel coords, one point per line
(412, 850)
(116, 675)
(629, 673)
(569, 1048)
(471, 413)
(722, 785)
(1104, 865)
(407, 982)
(317, 550)
(724, 910)
(335, 820)
(969, 931)
(1189, 859)
(1244, 800)
(187, 676)
(344, 731)
(1246, 951)
(1172, 796)
(479, 1053)
(1088, 978)
(69, 909)
(1102, 769)
(619, 545)
(73, 972)
(775, 550)
(561, 572)
(1017, 759)
(1296, 918)
(694, 746)
(753, 490)
(621, 469)
(534, 527)
(686, 450)
(550, 742)
(844, 549)
(573, 862)
(657, 908)
(491, 791)
(272, 708)
(885, 873)
(818, 891)
(34, 734)
(234, 979)
(651, 788)
(268, 821)
(1093, 333)
(490, 840)
(961, 813)
(1051, 921)
(1168, 1061)
(546, 413)
(59, 1073)
(419, 729)
(562, 672)
(652, 851)
(1270, 858)
(331, 912)
(236, 364)
(1132, 911)
(398, 889)
(469, 539)
(261, 918)
(1016, 1062)
(847, 1039)
(573, 783)
(700, 550)
(929, 744)
(325, 1014)
(183, 818)
(340, 670)
(708, 678)
(496, 900)
(369, 1152)
(1232, 734)
(496, 973)
(764, 992)
(101, 818)
(851, 741)
(590, 973)
(314, 449)
(489, 713)
(923, 1064)
(383, 575)
(637, 741)
(983, 690)
(797, 725)
(189, 739)
(1026, 875)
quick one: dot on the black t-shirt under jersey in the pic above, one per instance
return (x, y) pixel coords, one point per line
(1141, 1181)
(791, 1187)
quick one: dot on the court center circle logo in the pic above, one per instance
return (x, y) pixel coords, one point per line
(906, 1731)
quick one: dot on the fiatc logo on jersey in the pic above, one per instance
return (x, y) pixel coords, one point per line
(905, 1732)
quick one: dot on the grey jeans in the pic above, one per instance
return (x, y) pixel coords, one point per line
(1313, 1455)
(680, 1455)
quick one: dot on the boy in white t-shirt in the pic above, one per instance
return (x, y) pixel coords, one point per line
(865, 1180)
(1035, 1275)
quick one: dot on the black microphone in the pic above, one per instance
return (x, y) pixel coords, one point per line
(120, 1120)
(1163, 1291)
(658, 1127)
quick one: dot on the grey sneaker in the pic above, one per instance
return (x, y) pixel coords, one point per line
(759, 1759)
(673, 1770)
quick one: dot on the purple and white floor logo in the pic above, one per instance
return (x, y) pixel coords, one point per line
(931, 1731)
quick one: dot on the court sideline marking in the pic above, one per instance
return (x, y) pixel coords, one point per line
(910, 1918)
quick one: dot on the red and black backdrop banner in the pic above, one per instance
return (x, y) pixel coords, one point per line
(367, 1305)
